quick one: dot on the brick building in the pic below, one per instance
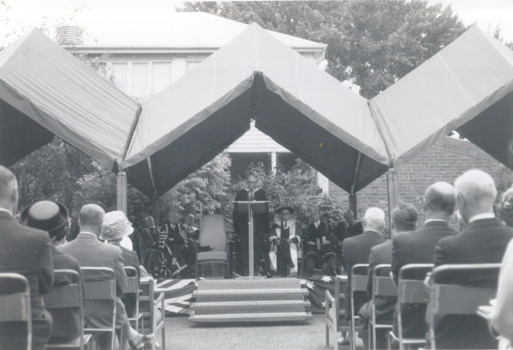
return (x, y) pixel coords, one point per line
(444, 161)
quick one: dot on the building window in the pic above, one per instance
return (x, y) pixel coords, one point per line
(141, 79)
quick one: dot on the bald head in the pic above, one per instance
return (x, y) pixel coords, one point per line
(90, 219)
(374, 219)
(476, 192)
(439, 201)
(8, 190)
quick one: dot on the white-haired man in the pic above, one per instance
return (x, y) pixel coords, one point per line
(483, 241)
(356, 250)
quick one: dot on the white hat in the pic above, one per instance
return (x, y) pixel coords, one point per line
(116, 226)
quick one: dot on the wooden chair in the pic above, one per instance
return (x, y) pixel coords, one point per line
(213, 234)
(68, 296)
(15, 302)
(333, 311)
(383, 285)
(100, 285)
(149, 308)
(410, 290)
(453, 299)
(359, 281)
(132, 287)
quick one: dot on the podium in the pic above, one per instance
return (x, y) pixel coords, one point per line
(251, 207)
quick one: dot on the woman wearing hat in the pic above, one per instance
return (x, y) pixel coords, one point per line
(52, 217)
(284, 243)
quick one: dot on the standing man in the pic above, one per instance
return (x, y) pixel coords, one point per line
(260, 225)
(26, 251)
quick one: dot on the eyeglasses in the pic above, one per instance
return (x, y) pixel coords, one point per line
(285, 213)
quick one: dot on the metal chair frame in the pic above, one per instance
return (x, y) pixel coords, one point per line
(91, 293)
(453, 299)
(358, 284)
(153, 305)
(68, 296)
(333, 311)
(382, 286)
(132, 287)
(17, 306)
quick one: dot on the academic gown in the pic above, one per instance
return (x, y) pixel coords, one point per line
(282, 253)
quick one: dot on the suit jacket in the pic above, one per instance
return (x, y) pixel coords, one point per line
(356, 250)
(90, 252)
(385, 306)
(416, 248)
(484, 241)
(66, 322)
(26, 251)
(324, 230)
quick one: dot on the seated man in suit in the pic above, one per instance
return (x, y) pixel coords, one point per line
(319, 245)
(26, 251)
(52, 217)
(115, 227)
(346, 228)
(91, 252)
(418, 248)
(356, 250)
(404, 219)
(484, 241)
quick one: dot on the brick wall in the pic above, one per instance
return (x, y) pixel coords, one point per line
(444, 161)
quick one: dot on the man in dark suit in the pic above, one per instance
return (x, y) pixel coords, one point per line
(484, 241)
(418, 248)
(52, 217)
(28, 252)
(91, 252)
(319, 245)
(260, 226)
(404, 219)
(356, 250)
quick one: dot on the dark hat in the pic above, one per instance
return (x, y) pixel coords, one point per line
(45, 215)
(279, 210)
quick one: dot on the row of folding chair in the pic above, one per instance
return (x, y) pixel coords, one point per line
(441, 297)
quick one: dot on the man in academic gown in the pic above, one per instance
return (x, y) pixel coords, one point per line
(260, 226)
(284, 244)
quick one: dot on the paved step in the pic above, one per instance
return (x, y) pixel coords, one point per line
(249, 295)
(244, 307)
(257, 283)
(259, 317)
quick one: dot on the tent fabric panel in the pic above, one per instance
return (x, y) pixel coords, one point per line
(55, 89)
(441, 95)
(194, 148)
(187, 102)
(492, 130)
(331, 156)
(19, 135)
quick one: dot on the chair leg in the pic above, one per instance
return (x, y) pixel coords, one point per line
(327, 337)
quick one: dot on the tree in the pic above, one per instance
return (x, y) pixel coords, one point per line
(370, 43)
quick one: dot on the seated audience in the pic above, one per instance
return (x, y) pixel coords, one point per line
(115, 227)
(404, 219)
(284, 244)
(346, 228)
(26, 251)
(502, 314)
(176, 245)
(418, 248)
(356, 250)
(52, 217)
(91, 252)
(483, 241)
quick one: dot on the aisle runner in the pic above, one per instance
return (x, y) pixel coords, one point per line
(177, 295)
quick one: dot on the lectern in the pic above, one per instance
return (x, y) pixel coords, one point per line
(251, 207)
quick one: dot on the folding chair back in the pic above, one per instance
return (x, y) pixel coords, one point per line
(149, 309)
(68, 296)
(132, 287)
(383, 285)
(454, 299)
(411, 290)
(359, 280)
(333, 311)
(213, 234)
(100, 285)
(15, 302)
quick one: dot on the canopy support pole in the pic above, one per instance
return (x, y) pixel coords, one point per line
(121, 192)
(155, 209)
(353, 204)
(392, 193)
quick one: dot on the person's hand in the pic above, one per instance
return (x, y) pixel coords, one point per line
(324, 240)
(294, 240)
